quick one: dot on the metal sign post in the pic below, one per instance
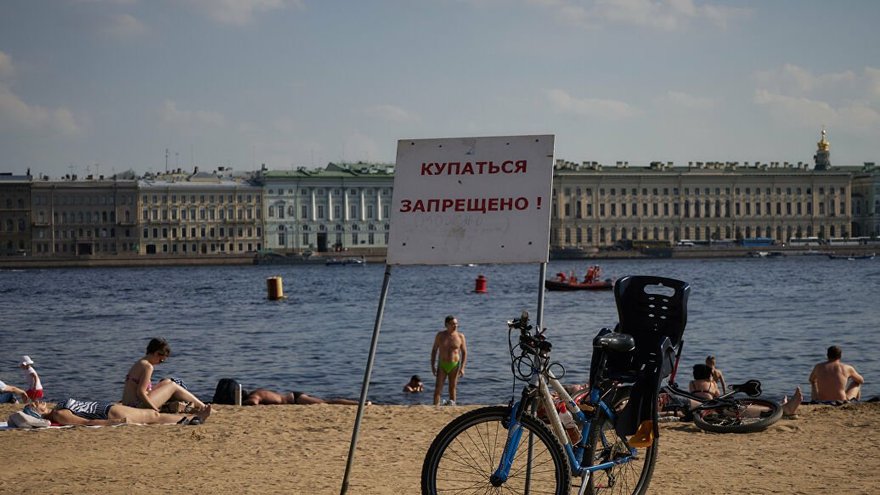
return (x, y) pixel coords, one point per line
(465, 200)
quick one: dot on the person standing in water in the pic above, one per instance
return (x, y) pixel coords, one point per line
(448, 357)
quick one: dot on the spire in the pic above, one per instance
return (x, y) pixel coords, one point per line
(822, 158)
(823, 144)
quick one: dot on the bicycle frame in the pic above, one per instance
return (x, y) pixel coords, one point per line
(539, 389)
(720, 401)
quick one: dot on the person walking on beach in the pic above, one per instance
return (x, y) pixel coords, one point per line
(717, 375)
(834, 380)
(448, 357)
(139, 390)
(35, 386)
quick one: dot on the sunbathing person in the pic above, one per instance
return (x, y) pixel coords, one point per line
(95, 413)
(139, 390)
(703, 386)
(833, 381)
(266, 397)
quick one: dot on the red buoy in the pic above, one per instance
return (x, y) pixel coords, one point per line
(480, 287)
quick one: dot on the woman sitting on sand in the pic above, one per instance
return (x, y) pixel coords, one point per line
(94, 413)
(139, 390)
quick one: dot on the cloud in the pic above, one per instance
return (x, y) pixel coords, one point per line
(792, 78)
(795, 108)
(6, 69)
(359, 146)
(872, 81)
(846, 100)
(189, 119)
(562, 102)
(18, 115)
(15, 114)
(664, 15)
(113, 2)
(678, 99)
(125, 26)
(390, 113)
(240, 12)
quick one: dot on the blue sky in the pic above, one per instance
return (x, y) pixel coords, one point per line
(103, 86)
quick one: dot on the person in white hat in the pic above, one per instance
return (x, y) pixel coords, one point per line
(35, 386)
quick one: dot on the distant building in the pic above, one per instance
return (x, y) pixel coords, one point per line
(15, 207)
(598, 206)
(83, 218)
(866, 201)
(344, 207)
(199, 214)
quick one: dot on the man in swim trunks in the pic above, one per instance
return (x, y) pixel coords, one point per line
(833, 380)
(266, 397)
(448, 358)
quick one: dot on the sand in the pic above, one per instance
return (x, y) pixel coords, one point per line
(303, 449)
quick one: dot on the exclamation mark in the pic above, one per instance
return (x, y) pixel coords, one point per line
(539, 202)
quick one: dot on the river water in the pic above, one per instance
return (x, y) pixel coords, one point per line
(769, 319)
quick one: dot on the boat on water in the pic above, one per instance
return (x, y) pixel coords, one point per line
(272, 258)
(868, 256)
(569, 285)
(591, 281)
(344, 261)
(765, 254)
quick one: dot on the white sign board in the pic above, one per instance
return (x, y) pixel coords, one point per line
(471, 200)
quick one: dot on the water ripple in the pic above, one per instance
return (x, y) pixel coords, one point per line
(765, 319)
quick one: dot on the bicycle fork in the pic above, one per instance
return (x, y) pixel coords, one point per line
(511, 445)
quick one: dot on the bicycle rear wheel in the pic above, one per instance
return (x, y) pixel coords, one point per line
(466, 453)
(631, 477)
(743, 416)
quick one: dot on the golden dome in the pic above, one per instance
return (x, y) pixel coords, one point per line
(823, 143)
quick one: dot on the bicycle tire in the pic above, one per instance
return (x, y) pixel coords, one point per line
(466, 453)
(633, 477)
(730, 419)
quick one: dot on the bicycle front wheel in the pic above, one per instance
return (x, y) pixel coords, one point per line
(468, 450)
(742, 416)
(630, 476)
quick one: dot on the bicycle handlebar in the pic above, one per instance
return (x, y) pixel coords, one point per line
(533, 344)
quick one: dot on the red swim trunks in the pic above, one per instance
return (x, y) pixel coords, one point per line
(34, 394)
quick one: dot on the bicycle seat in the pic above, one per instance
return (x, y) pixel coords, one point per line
(650, 308)
(752, 388)
(619, 342)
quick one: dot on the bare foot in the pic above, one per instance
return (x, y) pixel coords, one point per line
(204, 413)
(789, 407)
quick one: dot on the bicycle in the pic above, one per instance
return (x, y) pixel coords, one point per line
(610, 439)
(726, 414)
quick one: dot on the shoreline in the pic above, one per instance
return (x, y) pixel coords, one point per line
(19, 262)
(303, 449)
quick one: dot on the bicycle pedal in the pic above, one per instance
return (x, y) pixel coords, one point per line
(644, 436)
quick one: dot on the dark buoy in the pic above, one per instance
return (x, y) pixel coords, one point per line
(480, 287)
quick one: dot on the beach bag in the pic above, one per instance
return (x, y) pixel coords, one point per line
(227, 389)
(21, 419)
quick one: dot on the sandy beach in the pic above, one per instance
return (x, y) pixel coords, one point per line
(303, 449)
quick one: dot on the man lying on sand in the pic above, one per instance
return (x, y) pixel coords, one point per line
(95, 413)
(266, 397)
